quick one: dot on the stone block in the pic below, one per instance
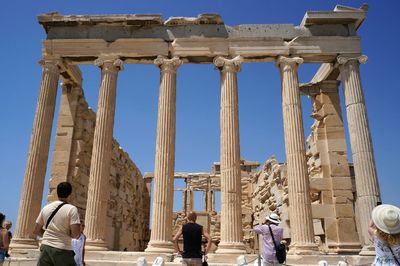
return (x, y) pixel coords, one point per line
(344, 210)
(65, 121)
(341, 183)
(59, 170)
(331, 230)
(322, 211)
(331, 132)
(60, 156)
(319, 184)
(327, 98)
(336, 144)
(343, 193)
(63, 143)
(326, 197)
(341, 200)
(318, 230)
(347, 230)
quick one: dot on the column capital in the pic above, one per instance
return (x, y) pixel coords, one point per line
(342, 60)
(71, 86)
(286, 63)
(168, 64)
(68, 84)
(52, 65)
(109, 64)
(230, 65)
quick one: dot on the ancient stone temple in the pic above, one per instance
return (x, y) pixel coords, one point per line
(323, 199)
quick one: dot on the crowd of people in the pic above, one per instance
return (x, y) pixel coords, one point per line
(63, 240)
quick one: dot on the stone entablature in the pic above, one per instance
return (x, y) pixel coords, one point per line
(142, 38)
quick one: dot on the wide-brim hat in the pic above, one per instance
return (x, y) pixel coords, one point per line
(387, 218)
(273, 217)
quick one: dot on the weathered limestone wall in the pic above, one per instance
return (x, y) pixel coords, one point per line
(129, 202)
(332, 187)
(271, 193)
(331, 180)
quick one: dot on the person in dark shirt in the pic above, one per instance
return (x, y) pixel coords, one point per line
(192, 234)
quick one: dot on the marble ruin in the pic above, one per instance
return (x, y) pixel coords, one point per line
(324, 200)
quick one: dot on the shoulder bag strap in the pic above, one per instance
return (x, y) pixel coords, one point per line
(273, 238)
(54, 213)
(394, 256)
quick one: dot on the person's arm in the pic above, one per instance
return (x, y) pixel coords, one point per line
(371, 228)
(75, 230)
(207, 236)
(258, 229)
(6, 239)
(75, 223)
(83, 249)
(38, 231)
(175, 240)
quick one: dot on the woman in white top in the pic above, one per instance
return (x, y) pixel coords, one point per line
(79, 247)
(384, 228)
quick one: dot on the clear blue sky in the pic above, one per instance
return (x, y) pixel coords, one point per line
(197, 140)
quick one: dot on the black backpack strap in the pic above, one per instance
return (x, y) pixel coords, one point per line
(273, 238)
(394, 256)
(54, 213)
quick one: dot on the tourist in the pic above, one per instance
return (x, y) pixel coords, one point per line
(192, 234)
(58, 222)
(270, 224)
(384, 228)
(4, 240)
(7, 226)
(78, 246)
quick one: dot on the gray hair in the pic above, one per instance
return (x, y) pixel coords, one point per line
(7, 222)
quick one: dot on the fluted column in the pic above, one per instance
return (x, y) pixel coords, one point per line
(361, 145)
(301, 223)
(98, 193)
(231, 188)
(161, 225)
(35, 171)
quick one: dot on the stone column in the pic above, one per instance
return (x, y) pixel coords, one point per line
(301, 223)
(35, 171)
(361, 145)
(98, 194)
(231, 196)
(161, 226)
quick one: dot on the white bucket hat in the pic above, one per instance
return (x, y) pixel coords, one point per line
(387, 218)
(273, 217)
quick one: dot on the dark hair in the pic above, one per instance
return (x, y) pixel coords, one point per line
(64, 189)
(2, 217)
(192, 216)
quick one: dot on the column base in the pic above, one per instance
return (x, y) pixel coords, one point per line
(160, 247)
(304, 249)
(23, 243)
(348, 247)
(367, 250)
(96, 245)
(231, 248)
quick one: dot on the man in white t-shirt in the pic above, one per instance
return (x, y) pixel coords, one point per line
(57, 231)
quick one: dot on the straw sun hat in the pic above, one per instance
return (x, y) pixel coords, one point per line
(387, 218)
(273, 217)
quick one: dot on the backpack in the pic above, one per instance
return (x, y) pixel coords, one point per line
(280, 250)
